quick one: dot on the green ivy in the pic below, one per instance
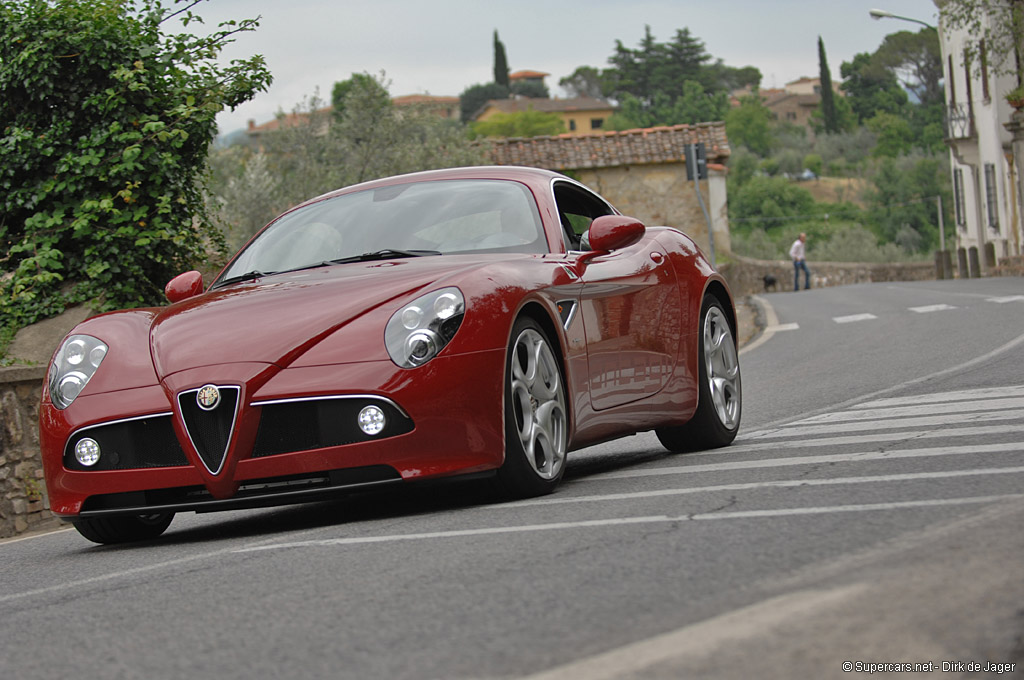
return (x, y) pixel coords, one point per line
(106, 121)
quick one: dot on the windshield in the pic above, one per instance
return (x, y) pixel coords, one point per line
(437, 217)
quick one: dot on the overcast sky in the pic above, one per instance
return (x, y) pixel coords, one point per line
(441, 47)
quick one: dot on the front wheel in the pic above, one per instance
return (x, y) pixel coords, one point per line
(536, 423)
(123, 529)
(720, 397)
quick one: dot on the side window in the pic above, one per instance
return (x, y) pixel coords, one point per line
(577, 208)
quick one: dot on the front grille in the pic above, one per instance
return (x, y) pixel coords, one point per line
(302, 425)
(210, 431)
(146, 442)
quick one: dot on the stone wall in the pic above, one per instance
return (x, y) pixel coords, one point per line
(23, 503)
(746, 275)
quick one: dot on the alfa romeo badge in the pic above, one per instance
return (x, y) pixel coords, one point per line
(208, 397)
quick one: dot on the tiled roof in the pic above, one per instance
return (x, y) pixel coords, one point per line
(520, 75)
(610, 149)
(409, 99)
(520, 104)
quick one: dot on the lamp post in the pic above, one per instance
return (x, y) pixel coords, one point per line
(883, 14)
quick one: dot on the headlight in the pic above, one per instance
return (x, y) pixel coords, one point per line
(74, 365)
(419, 330)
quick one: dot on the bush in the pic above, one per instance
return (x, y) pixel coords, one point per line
(106, 124)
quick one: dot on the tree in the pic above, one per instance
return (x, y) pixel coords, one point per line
(474, 97)
(530, 123)
(996, 28)
(750, 124)
(828, 104)
(585, 81)
(534, 89)
(106, 121)
(500, 62)
(916, 60)
(656, 67)
(871, 88)
(361, 81)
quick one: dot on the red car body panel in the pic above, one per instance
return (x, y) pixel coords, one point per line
(629, 356)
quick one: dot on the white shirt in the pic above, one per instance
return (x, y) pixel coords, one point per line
(796, 251)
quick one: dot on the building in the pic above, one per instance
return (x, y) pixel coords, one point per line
(985, 162)
(642, 172)
(443, 107)
(582, 115)
(794, 103)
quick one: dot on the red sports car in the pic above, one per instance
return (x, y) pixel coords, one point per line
(481, 320)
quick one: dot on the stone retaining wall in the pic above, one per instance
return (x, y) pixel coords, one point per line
(746, 275)
(23, 503)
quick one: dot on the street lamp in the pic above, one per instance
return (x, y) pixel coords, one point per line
(883, 14)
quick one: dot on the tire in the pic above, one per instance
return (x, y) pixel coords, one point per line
(720, 393)
(126, 529)
(536, 420)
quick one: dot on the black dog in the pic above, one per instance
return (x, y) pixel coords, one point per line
(770, 283)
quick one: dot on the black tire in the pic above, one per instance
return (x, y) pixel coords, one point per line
(124, 529)
(720, 395)
(536, 417)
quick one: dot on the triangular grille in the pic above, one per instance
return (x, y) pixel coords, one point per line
(210, 430)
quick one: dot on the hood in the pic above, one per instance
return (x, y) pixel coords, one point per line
(276, 319)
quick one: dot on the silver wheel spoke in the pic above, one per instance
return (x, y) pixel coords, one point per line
(722, 366)
(539, 404)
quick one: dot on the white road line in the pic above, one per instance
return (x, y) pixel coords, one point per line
(920, 410)
(1008, 298)
(864, 438)
(872, 425)
(750, 486)
(858, 457)
(931, 308)
(784, 327)
(939, 397)
(854, 318)
(625, 521)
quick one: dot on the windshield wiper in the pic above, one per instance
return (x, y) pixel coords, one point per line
(248, 276)
(386, 254)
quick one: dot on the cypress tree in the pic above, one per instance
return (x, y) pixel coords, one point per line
(500, 62)
(828, 102)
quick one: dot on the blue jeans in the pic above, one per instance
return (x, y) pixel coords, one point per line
(797, 266)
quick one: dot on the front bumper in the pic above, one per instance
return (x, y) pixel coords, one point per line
(292, 437)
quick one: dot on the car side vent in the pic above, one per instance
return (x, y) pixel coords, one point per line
(209, 415)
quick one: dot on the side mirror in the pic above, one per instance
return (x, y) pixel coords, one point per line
(184, 286)
(612, 232)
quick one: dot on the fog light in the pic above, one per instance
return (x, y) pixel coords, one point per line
(87, 452)
(371, 420)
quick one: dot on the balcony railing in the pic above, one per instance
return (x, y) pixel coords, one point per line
(959, 121)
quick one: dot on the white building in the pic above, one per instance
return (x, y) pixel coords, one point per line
(986, 183)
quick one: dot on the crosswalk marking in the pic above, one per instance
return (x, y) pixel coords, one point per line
(866, 438)
(825, 459)
(931, 308)
(750, 486)
(939, 397)
(854, 318)
(872, 425)
(919, 410)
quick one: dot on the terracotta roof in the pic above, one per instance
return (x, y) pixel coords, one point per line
(287, 120)
(409, 99)
(521, 104)
(520, 75)
(610, 149)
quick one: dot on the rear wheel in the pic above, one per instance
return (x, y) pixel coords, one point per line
(536, 422)
(720, 398)
(124, 529)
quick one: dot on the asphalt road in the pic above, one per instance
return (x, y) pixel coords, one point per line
(869, 513)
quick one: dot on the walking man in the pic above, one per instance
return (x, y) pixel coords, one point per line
(796, 252)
